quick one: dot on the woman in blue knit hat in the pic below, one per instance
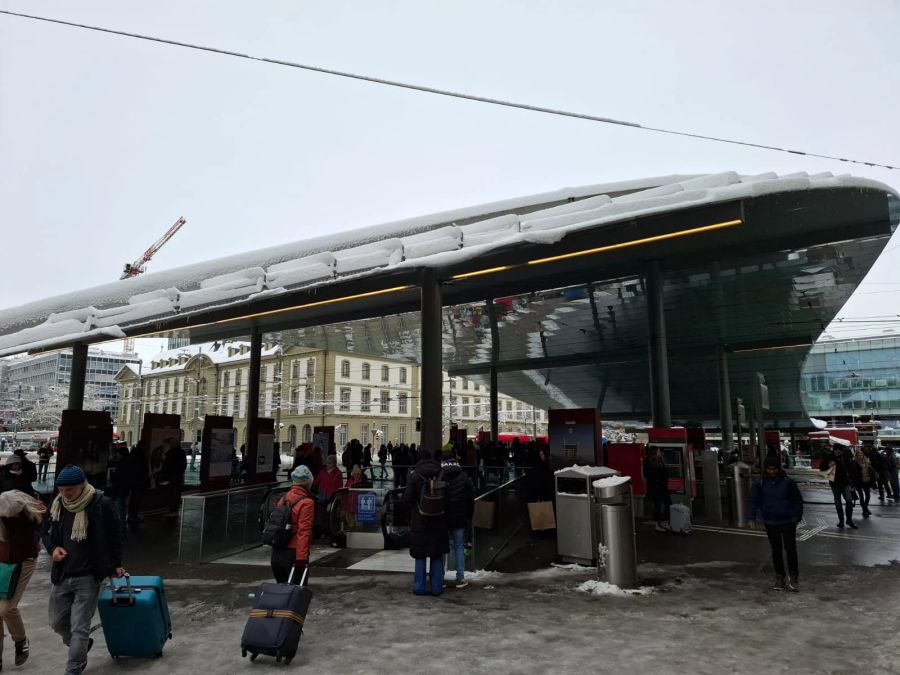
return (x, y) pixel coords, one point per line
(84, 539)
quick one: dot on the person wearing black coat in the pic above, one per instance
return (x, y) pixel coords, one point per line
(840, 477)
(139, 481)
(428, 535)
(29, 468)
(460, 507)
(658, 491)
(879, 466)
(172, 473)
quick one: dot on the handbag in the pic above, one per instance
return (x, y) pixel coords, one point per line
(9, 579)
(541, 516)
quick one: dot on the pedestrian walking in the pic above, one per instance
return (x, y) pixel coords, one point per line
(428, 536)
(29, 468)
(891, 463)
(777, 503)
(171, 475)
(13, 477)
(863, 476)
(84, 540)
(460, 507)
(658, 491)
(879, 466)
(836, 468)
(45, 454)
(302, 513)
(139, 474)
(382, 460)
(21, 517)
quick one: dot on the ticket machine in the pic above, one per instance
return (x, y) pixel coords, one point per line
(677, 454)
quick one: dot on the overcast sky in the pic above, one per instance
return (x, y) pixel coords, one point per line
(106, 140)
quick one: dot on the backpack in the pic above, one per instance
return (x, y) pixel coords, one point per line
(279, 528)
(433, 496)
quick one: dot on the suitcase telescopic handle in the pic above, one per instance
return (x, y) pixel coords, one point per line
(122, 601)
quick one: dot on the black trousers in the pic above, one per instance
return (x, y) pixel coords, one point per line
(783, 537)
(282, 562)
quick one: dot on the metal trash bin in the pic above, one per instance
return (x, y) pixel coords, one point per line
(740, 493)
(617, 562)
(577, 522)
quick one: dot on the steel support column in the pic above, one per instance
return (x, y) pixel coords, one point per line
(253, 403)
(495, 356)
(430, 403)
(725, 401)
(77, 376)
(659, 360)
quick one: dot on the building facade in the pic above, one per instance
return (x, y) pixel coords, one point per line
(301, 389)
(34, 380)
(844, 380)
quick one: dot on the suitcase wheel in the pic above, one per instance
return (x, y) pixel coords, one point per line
(277, 659)
(287, 661)
(253, 656)
(244, 653)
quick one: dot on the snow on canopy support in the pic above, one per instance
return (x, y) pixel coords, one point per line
(451, 238)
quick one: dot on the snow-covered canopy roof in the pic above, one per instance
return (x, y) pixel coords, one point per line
(436, 241)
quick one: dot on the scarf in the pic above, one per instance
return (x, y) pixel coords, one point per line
(78, 506)
(14, 503)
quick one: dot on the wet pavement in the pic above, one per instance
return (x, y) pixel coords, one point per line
(708, 609)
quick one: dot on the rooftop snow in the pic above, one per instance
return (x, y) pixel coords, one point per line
(448, 238)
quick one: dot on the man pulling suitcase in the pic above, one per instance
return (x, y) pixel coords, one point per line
(83, 537)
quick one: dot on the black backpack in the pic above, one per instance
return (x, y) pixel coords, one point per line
(279, 528)
(433, 496)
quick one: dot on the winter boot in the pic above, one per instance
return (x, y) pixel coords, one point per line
(793, 584)
(852, 525)
(21, 651)
(779, 583)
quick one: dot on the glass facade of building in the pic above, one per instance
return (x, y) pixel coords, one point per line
(849, 379)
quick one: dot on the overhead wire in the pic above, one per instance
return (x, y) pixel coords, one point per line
(452, 94)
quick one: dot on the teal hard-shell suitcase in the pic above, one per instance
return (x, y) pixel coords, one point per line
(135, 617)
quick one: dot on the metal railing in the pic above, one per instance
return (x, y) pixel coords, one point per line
(500, 514)
(216, 524)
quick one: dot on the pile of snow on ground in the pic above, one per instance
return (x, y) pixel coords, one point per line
(595, 587)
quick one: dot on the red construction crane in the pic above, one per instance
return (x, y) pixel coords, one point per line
(137, 267)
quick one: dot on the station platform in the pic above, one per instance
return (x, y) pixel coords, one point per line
(705, 606)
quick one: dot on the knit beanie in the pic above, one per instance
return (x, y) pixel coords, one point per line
(71, 475)
(302, 475)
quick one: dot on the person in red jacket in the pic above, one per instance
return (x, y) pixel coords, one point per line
(296, 555)
(328, 481)
(20, 521)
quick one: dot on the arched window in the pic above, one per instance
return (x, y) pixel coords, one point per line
(366, 371)
(292, 436)
(307, 433)
(385, 373)
(345, 369)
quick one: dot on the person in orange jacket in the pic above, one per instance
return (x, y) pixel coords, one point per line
(296, 555)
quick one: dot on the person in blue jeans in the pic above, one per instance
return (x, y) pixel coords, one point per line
(460, 507)
(428, 537)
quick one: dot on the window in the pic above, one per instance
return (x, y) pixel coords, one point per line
(345, 369)
(385, 374)
(342, 435)
(295, 369)
(509, 406)
(310, 367)
(452, 383)
(292, 436)
(384, 432)
(403, 376)
(366, 371)
(365, 400)
(345, 399)
(452, 405)
(235, 405)
(401, 400)
(465, 384)
(402, 437)
(477, 386)
(295, 400)
(385, 401)
(309, 400)
(237, 377)
(364, 433)
(476, 408)
(226, 378)
(465, 407)
(307, 433)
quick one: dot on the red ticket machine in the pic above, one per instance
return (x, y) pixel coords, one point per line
(628, 460)
(677, 455)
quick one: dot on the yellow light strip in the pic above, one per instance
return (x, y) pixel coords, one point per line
(491, 270)
(638, 242)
